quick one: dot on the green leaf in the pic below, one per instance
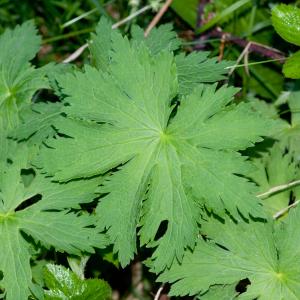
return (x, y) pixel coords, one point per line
(187, 10)
(192, 69)
(291, 68)
(286, 20)
(48, 221)
(220, 292)
(219, 17)
(36, 122)
(100, 44)
(159, 39)
(269, 173)
(291, 136)
(64, 284)
(18, 79)
(125, 121)
(197, 68)
(265, 253)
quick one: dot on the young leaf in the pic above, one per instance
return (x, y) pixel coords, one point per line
(265, 253)
(48, 221)
(64, 284)
(286, 20)
(166, 164)
(18, 79)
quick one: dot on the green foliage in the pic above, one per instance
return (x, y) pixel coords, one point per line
(291, 66)
(18, 79)
(160, 151)
(62, 229)
(286, 19)
(265, 253)
(269, 173)
(64, 284)
(145, 148)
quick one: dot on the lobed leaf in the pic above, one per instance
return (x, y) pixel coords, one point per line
(166, 161)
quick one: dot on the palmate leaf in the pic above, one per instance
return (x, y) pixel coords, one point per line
(18, 79)
(265, 253)
(168, 161)
(48, 221)
(192, 69)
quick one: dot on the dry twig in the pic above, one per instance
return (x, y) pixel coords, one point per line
(80, 50)
(157, 17)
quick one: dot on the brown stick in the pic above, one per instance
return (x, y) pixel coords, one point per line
(157, 17)
(260, 49)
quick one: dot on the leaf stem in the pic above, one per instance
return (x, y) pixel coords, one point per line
(279, 188)
(157, 295)
(284, 210)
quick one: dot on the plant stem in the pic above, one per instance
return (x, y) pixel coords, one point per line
(157, 295)
(284, 210)
(157, 17)
(279, 188)
(79, 51)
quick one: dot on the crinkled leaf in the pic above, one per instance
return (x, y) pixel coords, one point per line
(64, 284)
(286, 20)
(125, 120)
(265, 253)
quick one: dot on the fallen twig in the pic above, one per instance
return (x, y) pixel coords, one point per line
(157, 17)
(257, 48)
(79, 51)
(246, 49)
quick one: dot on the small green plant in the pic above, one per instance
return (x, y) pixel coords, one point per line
(144, 147)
